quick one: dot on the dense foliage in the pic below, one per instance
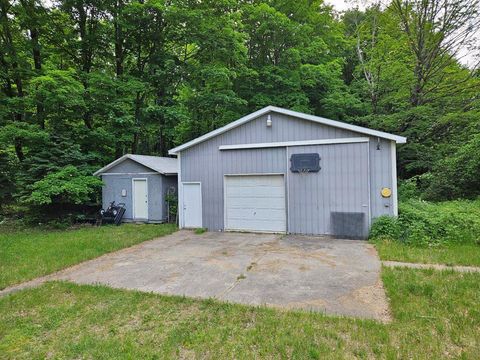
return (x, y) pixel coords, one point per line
(83, 82)
(422, 223)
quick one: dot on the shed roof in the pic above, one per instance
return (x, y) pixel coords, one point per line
(265, 110)
(162, 165)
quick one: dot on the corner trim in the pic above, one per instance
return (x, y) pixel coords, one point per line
(180, 193)
(393, 150)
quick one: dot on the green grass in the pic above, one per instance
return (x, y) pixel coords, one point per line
(425, 232)
(29, 253)
(436, 315)
(449, 254)
(200, 231)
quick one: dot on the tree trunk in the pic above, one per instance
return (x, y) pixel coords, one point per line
(30, 10)
(10, 46)
(136, 139)
(119, 55)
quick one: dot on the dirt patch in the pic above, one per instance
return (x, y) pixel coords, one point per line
(304, 268)
(316, 304)
(223, 264)
(371, 250)
(270, 266)
(372, 297)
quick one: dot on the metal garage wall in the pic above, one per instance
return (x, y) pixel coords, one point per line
(206, 163)
(341, 185)
(121, 177)
(381, 176)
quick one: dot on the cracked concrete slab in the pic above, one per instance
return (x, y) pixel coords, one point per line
(293, 272)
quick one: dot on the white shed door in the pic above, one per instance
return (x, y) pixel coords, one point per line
(192, 205)
(140, 199)
(255, 203)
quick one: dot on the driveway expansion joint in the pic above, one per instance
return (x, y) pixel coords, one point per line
(241, 276)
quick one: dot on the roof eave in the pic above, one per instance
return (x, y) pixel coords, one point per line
(122, 159)
(112, 164)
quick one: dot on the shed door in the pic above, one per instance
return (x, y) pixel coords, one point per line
(140, 199)
(255, 203)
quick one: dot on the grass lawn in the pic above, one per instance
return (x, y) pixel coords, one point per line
(29, 253)
(436, 315)
(459, 254)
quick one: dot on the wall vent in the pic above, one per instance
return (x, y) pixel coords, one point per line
(348, 225)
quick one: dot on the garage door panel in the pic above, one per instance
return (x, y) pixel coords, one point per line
(255, 203)
(256, 191)
(258, 203)
(255, 180)
(258, 225)
(260, 214)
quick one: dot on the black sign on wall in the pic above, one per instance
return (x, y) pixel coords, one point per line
(305, 163)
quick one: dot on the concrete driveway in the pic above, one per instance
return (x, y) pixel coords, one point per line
(313, 273)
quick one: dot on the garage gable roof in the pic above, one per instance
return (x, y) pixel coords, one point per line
(265, 110)
(162, 165)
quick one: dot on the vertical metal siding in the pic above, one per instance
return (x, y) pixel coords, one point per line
(209, 166)
(113, 185)
(112, 191)
(380, 177)
(129, 166)
(340, 185)
(205, 163)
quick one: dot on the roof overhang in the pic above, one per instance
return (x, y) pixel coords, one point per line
(120, 160)
(265, 110)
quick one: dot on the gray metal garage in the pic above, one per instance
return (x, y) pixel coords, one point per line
(278, 170)
(141, 183)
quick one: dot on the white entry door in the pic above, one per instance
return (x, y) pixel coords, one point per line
(192, 205)
(140, 199)
(255, 203)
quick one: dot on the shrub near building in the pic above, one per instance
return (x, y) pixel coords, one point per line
(422, 223)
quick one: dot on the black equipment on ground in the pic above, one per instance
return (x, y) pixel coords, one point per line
(113, 214)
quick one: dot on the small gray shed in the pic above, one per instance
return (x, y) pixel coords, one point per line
(278, 170)
(141, 182)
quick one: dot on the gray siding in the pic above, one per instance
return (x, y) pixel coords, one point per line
(210, 167)
(341, 185)
(128, 170)
(129, 166)
(204, 162)
(380, 177)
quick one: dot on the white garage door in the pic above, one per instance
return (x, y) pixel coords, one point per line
(255, 203)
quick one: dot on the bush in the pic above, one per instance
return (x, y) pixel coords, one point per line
(172, 203)
(385, 227)
(423, 223)
(66, 186)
